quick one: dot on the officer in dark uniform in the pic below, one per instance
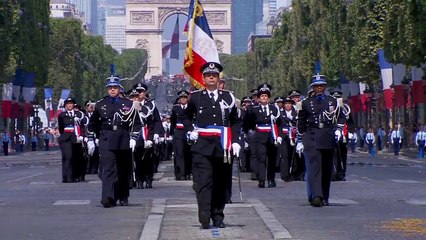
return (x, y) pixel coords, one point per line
(245, 154)
(180, 122)
(251, 138)
(264, 120)
(341, 153)
(288, 117)
(320, 123)
(93, 160)
(215, 116)
(115, 123)
(297, 160)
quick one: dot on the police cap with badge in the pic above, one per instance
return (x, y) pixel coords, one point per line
(318, 80)
(113, 81)
(294, 93)
(133, 93)
(69, 100)
(211, 67)
(264, 89)
(183, 93)
(289, 100)
(278, 99)
(246, 99)
(336, 94)
(140, 87)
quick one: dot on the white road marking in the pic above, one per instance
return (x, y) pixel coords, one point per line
(343, 201)
(271, 222)
(151, 229)
(416, 201)
(95, 182)
(32, 166)
(1, 168)
(71, 202)
(42, 183)
(195, 205)
(26, 177)
(404, 181)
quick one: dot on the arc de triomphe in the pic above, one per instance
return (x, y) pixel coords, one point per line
(145, 20)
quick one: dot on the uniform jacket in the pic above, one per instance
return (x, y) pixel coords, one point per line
(204, 112)
(286, 122)
(65, 120)
(110, 122)
(317, 130)
(256, 117)
(179, 116)
(153, 120)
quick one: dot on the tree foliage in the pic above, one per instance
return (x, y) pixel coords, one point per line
(343, 37)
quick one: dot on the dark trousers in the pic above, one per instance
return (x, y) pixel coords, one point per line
(253, 156)
(68, 150)
(298, 169)
(421, 144)
(209, 176)
(379, 143)
(286, 156)
(93, 162)
(46, 144)
(182, 160)
(371, 148)
(266, 158)
(340, 161)
(319, 163)
(115, 172)
(352, 143)
(6, 148)
(33, 146)
(147, 166)
(396, 146)
(138, 156)
(80, 162)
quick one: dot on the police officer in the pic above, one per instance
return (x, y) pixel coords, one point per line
(245, 154)
(92, 160)
(180, 122)
(420, 141)
(297, 165)
(288, 117)
(319, 124)
(262, 119)
(69, 141)
(214, 114)
(396, 140)
(115, 124)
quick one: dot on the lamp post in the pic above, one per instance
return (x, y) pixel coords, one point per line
(370, 100)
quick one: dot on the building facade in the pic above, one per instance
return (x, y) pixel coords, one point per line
(115, 27)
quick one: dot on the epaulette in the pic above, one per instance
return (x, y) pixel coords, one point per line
(199, 90)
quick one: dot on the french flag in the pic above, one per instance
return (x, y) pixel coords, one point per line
(201, 47)
(28, 92)
(173, 46)
(6, 105)
(386, 73)
(64, 95)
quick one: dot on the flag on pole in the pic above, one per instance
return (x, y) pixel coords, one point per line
(344, 85)
(48, 105)
(201, 47)
(387, 78)
(64, 95)
(28, 92)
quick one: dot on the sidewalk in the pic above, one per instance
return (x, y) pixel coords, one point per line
(31, 157)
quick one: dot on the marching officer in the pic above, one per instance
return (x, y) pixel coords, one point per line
(370, 140)
(297, 165)
(245, 155)
(115, 125)
(341, 153)
(288, 117)
(166, 140)
(92, 160)
(70, 141)
(214, 115)
(180, 122)
(264, 119)
(320, 123)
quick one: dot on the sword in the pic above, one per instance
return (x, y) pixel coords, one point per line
(239, 178)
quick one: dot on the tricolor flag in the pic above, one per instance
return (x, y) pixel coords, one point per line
(201, 47)
(386, 72)
(344, 85)
(173, 47)
(48, 105)
(64, 95)
(28, 92)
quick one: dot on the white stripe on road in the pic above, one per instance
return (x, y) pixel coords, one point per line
(26, 177)
(41, 183)
(271, 222)
(342, 201)
(195, 205)
(404, 181)
(416, 201)
(71, 202)
(151, 229)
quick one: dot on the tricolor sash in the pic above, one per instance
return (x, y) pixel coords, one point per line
(225, 135)
(268, 128)
(179, 125)
(69, 129)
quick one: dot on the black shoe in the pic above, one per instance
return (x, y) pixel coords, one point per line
(124, 202)
(219, 224)
(139, 185)
(109, 202)
(261, 184)
(271, 183)
(148, 185)
(188, 177)
(205, 225)
(325, 203)
(316, 202)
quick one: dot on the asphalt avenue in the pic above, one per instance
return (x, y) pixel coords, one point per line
(383, 198)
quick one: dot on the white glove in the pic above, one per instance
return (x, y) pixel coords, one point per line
(193, 136)
(291, 142)
(236, 149)
(279, 140)
(97, 142)
(338, 135)
(161, 140)
(170, 138)
(299, 148)
(148, 144)
(76, 120)
(246, 145)
(132, 144)
(400, 140)
(85, 139)
(90, 147)
(137, 105)
(79, 139)
(350, 135)
(156, 137)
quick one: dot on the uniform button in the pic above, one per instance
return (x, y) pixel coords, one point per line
(214, 106)
(214, 124)
(316, 121)
(214, 115)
